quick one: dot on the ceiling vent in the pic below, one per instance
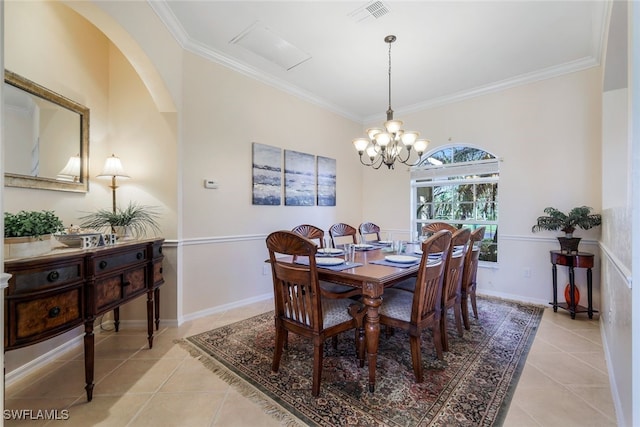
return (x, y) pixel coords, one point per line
(374, 9)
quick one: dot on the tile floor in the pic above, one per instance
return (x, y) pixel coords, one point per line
(564, 382)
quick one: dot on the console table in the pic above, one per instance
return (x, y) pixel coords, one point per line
(55, 293)
(572, 260)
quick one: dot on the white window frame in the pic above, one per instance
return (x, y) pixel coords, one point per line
(437, 175)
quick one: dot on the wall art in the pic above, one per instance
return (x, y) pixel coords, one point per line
(267, 175)
(326, 181)
(299, 179)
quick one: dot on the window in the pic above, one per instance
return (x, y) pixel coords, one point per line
(458, 185)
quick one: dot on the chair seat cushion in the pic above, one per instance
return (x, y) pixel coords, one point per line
(334, 288)
(335, 311)
(407, 285)
(396, 303)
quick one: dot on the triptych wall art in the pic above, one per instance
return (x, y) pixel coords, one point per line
(308, 180)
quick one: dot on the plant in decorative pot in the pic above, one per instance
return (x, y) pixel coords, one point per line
(578, 217)
(28, 233)
(132, 222)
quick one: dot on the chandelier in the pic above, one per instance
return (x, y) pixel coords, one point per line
(391, 143)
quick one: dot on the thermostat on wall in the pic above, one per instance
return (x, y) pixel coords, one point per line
(210, 183)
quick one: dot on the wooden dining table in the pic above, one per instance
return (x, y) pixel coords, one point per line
(372, 279)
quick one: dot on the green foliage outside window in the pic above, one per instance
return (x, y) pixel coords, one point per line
(461, 200)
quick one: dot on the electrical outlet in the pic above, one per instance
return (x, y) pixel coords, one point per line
(211, 184)
(266, 269)
(527, 273)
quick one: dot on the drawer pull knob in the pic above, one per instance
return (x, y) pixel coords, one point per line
(54, 312)
(161, 270)
(103, 264)
(160, 249)
(139, 255)
(126, 284)
(53, 276)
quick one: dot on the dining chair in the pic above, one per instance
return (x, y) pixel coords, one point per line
(437, 226)
(468, 289)
(451, 289)
(368, 229)
(311, 232)
(341, 230)
(300, 307)
(328, 289)
(417, 311)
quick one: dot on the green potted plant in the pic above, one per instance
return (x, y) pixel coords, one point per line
(28, 233)
(578, 217)
(133, 221)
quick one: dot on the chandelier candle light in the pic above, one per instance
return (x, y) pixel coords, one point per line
(387, 145)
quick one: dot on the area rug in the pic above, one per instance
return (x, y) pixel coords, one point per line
(473, 386)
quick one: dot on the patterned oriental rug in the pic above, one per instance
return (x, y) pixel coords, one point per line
(473, 386)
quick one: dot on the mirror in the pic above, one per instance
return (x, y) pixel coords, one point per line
(46, 138)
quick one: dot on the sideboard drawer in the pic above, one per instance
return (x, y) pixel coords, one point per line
(113, 291)
(46, 277)
(157, 273)
(106, 264)
(34, 319)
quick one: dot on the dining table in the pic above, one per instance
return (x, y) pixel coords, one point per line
(372, 273)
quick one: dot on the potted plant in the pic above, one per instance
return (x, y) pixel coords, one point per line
(578, 217)
(133, 221)
(28, 233)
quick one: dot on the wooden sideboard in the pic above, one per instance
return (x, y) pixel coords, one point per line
(54, 293)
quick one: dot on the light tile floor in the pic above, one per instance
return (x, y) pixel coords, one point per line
(564, 382)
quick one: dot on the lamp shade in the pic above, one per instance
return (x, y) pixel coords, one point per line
(71, 171)
(113, 167)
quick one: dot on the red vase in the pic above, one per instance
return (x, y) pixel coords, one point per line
(567, 294)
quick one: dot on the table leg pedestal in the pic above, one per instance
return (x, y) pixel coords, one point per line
(372, 302)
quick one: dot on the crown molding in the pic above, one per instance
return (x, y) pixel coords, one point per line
(176, 29)
(523, 79)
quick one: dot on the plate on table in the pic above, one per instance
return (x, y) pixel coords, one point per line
(330, 251)
(403, 259)
(417, 251)
(384, 242)
(363, 246)
(329, 261)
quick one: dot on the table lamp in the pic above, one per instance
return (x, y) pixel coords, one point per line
(113, 169)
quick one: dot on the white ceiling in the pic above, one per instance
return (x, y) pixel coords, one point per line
(445, 50)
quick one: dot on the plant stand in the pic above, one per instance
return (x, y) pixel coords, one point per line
(573, 260)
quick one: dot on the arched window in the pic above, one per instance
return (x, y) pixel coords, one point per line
(458, 185)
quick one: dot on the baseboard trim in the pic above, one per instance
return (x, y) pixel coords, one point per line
(40, 362)
(224, 307)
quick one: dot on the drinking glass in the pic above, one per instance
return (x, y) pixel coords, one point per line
(350, 253)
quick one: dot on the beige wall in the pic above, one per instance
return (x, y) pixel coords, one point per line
(67, 54)
(224, 113)
(618, 228)
(548, 135)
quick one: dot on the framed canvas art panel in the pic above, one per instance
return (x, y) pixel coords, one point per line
(267, 175)
(326, 181)
(299, 179)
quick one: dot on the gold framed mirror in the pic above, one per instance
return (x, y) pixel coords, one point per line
(46, 138)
